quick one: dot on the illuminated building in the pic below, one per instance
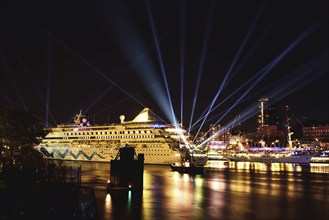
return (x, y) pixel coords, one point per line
(200, 137)
(270, 133)
(277, 116)
(263, 115)
(219, 133)
(318, 133)
(270, 124)
(214, 132)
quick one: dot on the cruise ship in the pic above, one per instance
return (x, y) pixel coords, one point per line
(160, 143)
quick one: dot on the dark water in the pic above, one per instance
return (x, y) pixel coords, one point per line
(234, 191)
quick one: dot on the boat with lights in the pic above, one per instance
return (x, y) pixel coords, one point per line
(159, 142)
(215, 155)
(272, 155)
(187, 169)
(188, 164)
(323, 157)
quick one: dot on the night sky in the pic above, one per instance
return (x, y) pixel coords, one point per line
(104, 57)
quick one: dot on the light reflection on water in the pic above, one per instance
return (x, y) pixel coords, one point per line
(235, 190)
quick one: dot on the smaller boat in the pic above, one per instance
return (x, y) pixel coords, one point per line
(187, 165)
(187, 169)
(214, 155)
(322, 158)
(286, 156)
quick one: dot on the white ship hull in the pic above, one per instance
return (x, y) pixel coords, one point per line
(160, 143)
(104, 154)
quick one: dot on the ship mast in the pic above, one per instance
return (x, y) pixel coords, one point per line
(289, 133)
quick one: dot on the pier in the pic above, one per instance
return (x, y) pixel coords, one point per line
(127, 171)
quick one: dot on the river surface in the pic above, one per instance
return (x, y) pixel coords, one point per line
(238, 190)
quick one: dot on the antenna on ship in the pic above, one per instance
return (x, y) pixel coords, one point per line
(77, 117)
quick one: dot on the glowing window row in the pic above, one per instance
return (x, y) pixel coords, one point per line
(129, 136)
(108, 132)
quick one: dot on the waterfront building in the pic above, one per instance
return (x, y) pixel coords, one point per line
(214, 132)
(317, 133)
(271, 123)
(277, 116)
(270, 133)
(199, 138)
(219, 133)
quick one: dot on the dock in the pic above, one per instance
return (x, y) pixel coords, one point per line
(127, 171)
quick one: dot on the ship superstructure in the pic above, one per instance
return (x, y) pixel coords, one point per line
(84, 142)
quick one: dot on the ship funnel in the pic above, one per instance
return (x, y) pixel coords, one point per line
(122, 118)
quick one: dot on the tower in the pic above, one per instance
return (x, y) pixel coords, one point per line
(262, 116)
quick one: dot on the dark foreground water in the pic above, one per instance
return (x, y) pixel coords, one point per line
(235, 191)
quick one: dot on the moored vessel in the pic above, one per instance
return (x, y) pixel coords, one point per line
(273, 155)
(187, 169)
(159, 142)
(323, 157)
(214, 155)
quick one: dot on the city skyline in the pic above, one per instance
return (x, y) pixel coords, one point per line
(110, 58)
